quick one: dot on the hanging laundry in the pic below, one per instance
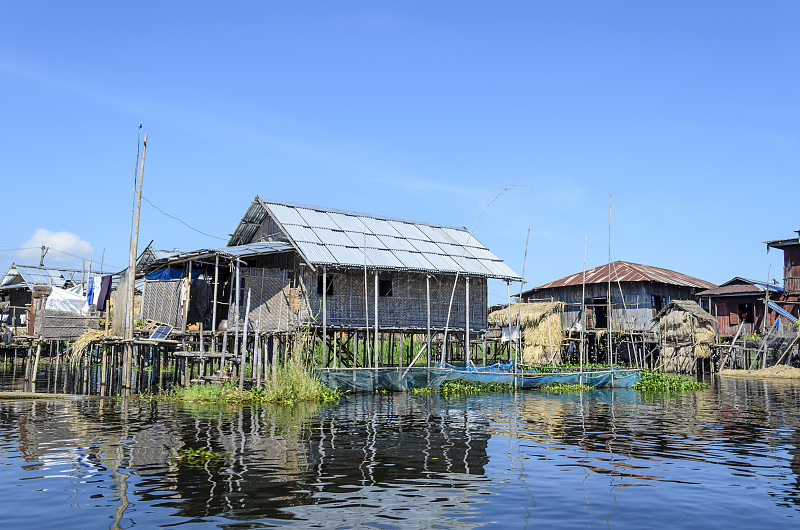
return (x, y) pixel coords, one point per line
(105, 290)
(90, 291)
(97, 286)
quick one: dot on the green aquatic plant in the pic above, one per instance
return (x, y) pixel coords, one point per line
(653, 381)
(203, 456)
(460, 387)
(291, 384)
(562, 388)
(568, 367)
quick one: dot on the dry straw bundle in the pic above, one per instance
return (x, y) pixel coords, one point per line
(688, 333)
(81, 343)
(540, 323)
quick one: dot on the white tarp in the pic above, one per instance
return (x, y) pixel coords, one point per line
(509, 333)
(72, 300)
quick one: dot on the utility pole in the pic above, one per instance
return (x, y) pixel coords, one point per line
(126, 382)
(44, 253)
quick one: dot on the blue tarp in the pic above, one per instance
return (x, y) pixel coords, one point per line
(171, 274)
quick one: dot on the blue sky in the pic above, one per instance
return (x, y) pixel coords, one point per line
(685, 113)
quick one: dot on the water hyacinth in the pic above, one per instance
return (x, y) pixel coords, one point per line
(653, 381)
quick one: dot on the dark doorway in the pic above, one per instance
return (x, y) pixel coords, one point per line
(600, 313)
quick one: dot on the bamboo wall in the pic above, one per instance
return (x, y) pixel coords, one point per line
(405, 309)
(163, 301)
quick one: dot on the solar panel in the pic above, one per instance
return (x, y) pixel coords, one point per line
(161, 332)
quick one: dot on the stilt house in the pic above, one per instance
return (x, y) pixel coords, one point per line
(638, 293)
(739, 304)
(790, 301)
(305, 267)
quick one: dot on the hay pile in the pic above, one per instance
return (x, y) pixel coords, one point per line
(77, 348)
(540, 323)
(780, 371)
(688, 333)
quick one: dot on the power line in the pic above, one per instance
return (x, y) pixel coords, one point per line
(182, 221)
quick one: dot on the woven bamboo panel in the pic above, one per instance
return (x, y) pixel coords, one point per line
(50, 324)
(406, 308)
(273, 303)
(162, 301)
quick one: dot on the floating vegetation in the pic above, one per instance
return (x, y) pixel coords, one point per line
(198, 457)
(563, 388)
(653, 381)
(291, 384)
(461, 387)
(568, 367)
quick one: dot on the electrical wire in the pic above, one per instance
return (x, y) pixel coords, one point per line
(182, 221)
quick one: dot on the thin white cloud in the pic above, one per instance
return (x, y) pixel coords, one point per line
(64, 247)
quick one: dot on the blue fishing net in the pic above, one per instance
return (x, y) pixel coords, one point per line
(356, 380)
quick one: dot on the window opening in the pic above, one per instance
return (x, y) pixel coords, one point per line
(384, 287)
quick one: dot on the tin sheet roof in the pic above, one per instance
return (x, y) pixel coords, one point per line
(625, 271)
(32, 276)
(339, 238)
(740, 287)
(238, 251)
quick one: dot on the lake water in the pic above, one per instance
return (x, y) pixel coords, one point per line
(725, 457)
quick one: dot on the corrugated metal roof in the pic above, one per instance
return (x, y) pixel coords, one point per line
(784, 313)
(334, 237)
(625, 271)
(741, 286)
(238, 251)
(32, 276)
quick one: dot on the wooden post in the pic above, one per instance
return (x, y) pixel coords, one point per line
(188, 296)
(214, 306)
(236, 312)
(127, 368)
(428, 300)
(376, 319)
(325, 317)
(35, 368)
(467, 352)
(243, 355)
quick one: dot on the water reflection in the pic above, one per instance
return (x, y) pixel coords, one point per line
(617, 458)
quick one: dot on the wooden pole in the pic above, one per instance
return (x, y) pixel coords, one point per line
(376, 319)
(128, 355)
(467, 351)
(243, 355)
(325, 317)
(214, 306)
(428, 302)
(188, 297)
(236, 312)
(519, 304)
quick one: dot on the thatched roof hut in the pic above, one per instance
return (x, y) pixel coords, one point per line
(687, 332)
(540, 324)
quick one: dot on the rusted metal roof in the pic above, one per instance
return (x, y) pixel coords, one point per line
(741, 287)
(780, 243)
(625, 271)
